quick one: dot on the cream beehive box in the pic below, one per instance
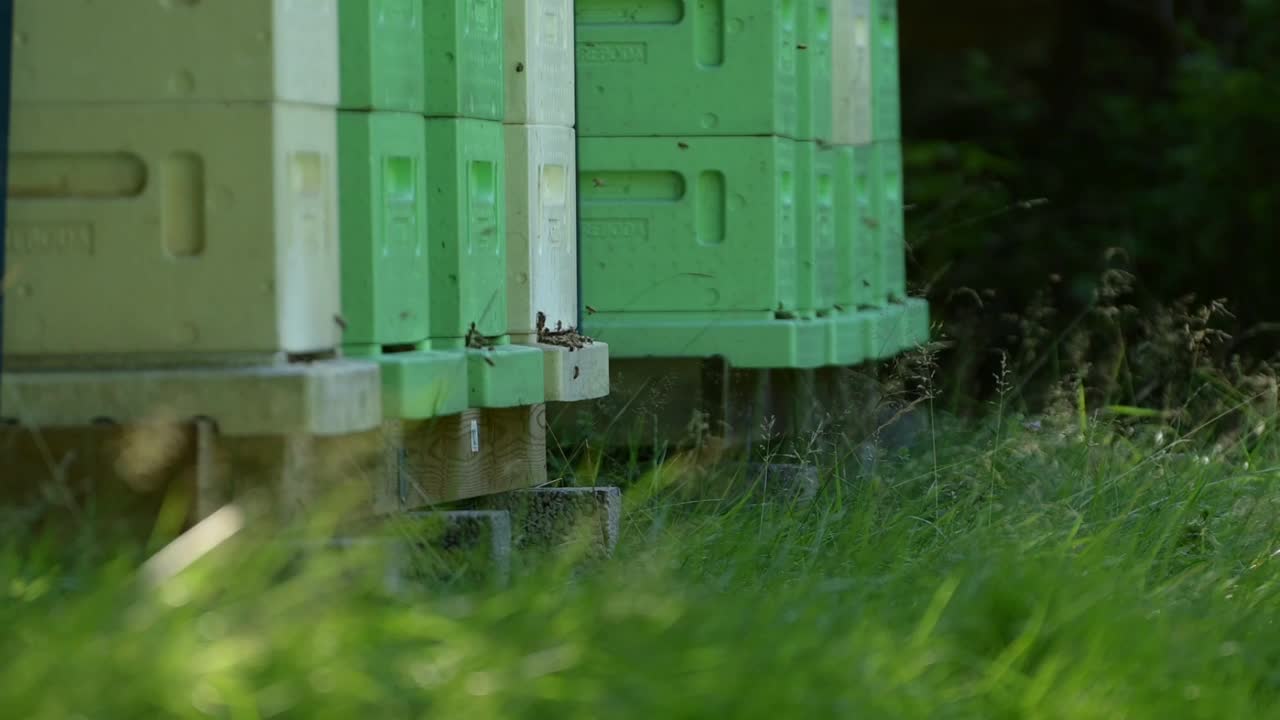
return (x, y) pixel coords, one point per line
(171, 230)
(542, 257)
(142, 51)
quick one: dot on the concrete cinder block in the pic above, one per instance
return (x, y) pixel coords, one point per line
(461, 543)
(549, 517)
(426, 549)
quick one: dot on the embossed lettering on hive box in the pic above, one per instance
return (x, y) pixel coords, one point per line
(49, 240)
(623, 229)
(618, 53)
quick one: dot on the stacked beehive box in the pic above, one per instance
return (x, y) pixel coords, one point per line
(150, 175)
(437, 271)
(299, 209)
(169, 208)
(689, 181)
(467, 180)
(386, 250)
(541, 187)
(457, 130)
(868, 135)
(723, 146)
(173, 232)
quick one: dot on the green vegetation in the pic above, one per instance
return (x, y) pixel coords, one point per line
(1054, 138)
(1090, 560)
(1088, 528)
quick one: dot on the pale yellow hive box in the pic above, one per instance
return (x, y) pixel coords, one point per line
(171, 229)
(573, 375)
(542, 257)
(539, 62)
(83, 51)
(851, 72)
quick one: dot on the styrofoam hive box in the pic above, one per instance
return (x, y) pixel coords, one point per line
(466, 225)
(851, 72)
(464, 58)
(892, 221)
(542, 239)
(175, 50)
(539, 62)
(382, 180)
(383, 56)
(187, 229)
(813, 72)
(672, 68)
(687, 225)
(886, 123)
(815, 227)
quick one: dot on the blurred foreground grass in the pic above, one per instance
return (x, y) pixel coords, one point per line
(1011, 569)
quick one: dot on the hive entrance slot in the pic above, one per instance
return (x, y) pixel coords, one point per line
(398, 348)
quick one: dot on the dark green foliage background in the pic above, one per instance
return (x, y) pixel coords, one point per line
(1149, 126)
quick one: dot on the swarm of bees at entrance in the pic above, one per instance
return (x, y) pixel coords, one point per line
(561, 336)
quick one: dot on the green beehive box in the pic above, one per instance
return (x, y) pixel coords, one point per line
(814, 68)
(890, 221)
(916, 323)
(417, 385)
(467, 229)
(385, 268)
(858, 263)
(850, 337)
(382, 55)
(886, 122)
(744, 340)
(899, 327)
(383, 228)
(851, 72)
(666, 67)
(688, 224)
(816, 229)
(505, 376)
(464, 55)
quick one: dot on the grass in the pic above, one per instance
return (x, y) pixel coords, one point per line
(1024, 570)
(1112, 555)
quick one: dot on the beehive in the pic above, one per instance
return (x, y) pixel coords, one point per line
(816, 228)
(149, 51)
(814, 72)
(172, 229)
(851, 72)
(857, 251)
(667, 67)
(688, 224)
(887, 108)
(542, 238)
(891, 226)
(385, 268)
(538, 36)
(467, 227)
(464, 58)
(383, 55)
